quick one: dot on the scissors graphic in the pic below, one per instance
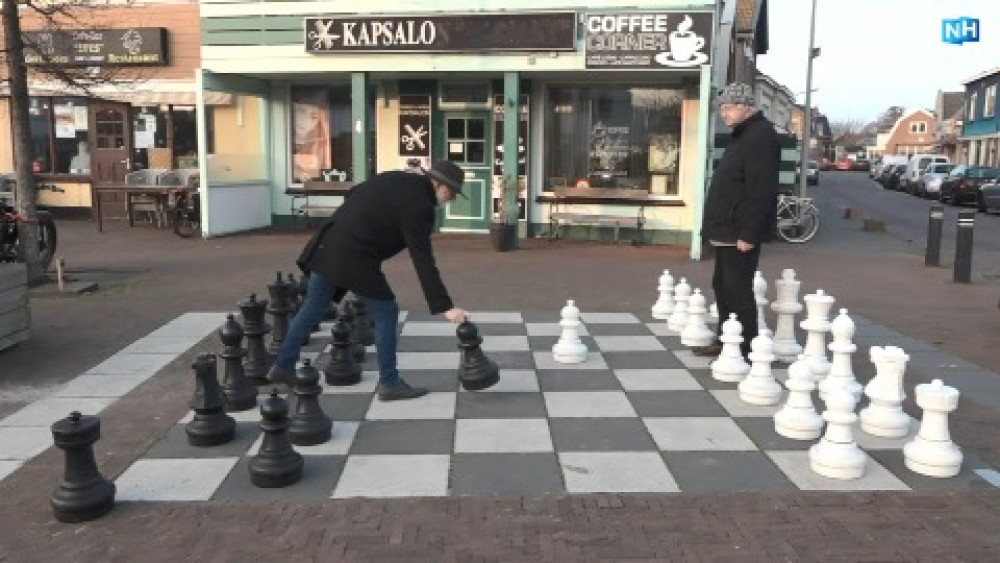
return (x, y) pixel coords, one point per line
(414, 139)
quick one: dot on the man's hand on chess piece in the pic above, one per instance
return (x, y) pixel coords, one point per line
(456, 315)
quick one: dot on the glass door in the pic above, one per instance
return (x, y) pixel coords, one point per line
(467, 144)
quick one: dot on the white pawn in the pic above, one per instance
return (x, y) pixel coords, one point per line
(570, 349)
(760, 387)
(817, 324)
(665, 303)
(730, 365)
(841, 372)
(696, 332)
(932, 452)
(884, 414)
(760, 296)
(678, 318)
(786, 305)
(837, 455)
(798, 419)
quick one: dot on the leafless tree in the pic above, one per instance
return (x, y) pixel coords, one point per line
(889, 117)
(846, 127)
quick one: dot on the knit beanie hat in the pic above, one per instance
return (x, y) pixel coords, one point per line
(737, 93)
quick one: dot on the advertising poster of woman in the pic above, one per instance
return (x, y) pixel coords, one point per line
(311, 137)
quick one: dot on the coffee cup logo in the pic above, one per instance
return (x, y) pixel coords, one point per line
(684, 43)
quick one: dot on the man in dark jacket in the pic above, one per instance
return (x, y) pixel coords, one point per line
(378, 219)
(741, 209)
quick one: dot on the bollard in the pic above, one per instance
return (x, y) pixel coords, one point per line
(963, 247)
(933, 255)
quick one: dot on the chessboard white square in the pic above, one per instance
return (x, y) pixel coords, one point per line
(249, 415)
(338, 444)
(588, 404)
(46, 411)
(657, 380)
(544, 360)
(628, 343)
(173, 479)
(661, 329)
(495, 317)
(87, 385)
(552, 329)
(121, 363)
(367, 385)
(394, 476)
(21, 444)
(161, 345)
(485, 435)
(428, 360)
(7, 467)
(795, 465)
(698, 434)
(496, 343)
(735, 406)
(691, 361)
(618, 472)
(431, 406)
(608, 318)
(428, 328)
(867, 441)
(513, 380)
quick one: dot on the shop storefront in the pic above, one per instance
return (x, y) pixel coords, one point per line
(585, 96)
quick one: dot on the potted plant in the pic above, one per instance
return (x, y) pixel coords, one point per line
(503, 228)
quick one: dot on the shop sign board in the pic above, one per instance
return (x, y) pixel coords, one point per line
(137, 46)
(415, 130)
(645, 40)
(553, 31)
(522, 153)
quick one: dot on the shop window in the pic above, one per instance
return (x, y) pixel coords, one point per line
(40, 124)
(321, 133)
(615, 137)
(59, 139)
(150, 143)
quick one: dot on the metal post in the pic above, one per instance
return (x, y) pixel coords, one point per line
(963, 247)
(807, 115)
(934, 224)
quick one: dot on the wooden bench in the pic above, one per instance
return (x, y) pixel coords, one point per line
(301, 206)
(637, 199)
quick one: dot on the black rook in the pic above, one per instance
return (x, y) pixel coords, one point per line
(84, 494)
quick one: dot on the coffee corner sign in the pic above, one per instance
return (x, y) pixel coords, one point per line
(663, 41)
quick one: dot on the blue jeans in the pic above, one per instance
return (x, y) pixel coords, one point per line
(319, 294)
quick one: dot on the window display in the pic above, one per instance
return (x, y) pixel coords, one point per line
(321, 133)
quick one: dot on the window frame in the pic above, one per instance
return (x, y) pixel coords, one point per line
(918, 127)
(973, 98)
(51, 151)
(990, 101)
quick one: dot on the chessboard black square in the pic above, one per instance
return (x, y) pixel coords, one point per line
(711, 471)
(704, 378)
(319, 475)
(426, 344)
(500, 405)
(618, 329)
(894, 461)
(505, 473)
(435, 380)
(497, 329)
(675, 404)
(760, 430)
(404, 437)
(600, 434)
(512, 360)
(578, 380)
(346, 406)
(545, 343)
(175, 444)
(635, 359)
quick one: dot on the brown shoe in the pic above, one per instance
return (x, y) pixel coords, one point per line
(710, 350)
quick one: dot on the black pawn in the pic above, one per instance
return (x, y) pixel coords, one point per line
(255, 329)
(356, 347)
(362, 324)
(342, 369)
(276, 464)
(211, 425)
(475, 370)
(84, 493)
(310, 425)
(280, 311)
(240, 394)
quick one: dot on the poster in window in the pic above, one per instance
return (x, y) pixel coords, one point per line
(311, 137)
(664, 151)
(522, 155)
(65, 121)
(609, 150)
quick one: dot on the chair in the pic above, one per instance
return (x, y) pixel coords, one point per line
(147, 204)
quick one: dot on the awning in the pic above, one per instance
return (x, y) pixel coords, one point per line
(142, 98)
(151, 93)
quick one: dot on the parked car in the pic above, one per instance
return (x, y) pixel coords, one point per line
(929, 184)
(812, 173)
(844, 164)
(862, 165)
(888, 160)
(989, 197)
(915, 168)
(825, 165)
(963, 182)
(895, 172)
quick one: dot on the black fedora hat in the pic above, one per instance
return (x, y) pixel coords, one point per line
(449, 174)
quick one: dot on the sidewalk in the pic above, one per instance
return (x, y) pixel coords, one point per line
(148, 277)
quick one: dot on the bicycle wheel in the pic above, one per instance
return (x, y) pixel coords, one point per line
(798, 221)
(47, 240)
(186, 223)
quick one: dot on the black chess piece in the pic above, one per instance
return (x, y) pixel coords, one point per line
(342, 369)
(84, 493)
(276, 464)
(240, 394)
(475, 370)
(211, 426)
(255, 329)
(310, 425)
(356, 347)
(362, 324)
(294, 299)
(279, 311)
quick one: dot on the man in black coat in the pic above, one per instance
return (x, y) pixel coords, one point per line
(378, 219)
(741, 210)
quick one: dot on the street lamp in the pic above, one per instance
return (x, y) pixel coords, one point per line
(807, 117)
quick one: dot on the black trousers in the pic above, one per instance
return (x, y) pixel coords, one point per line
(733, 286)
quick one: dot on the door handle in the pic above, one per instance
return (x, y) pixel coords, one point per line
(128, 163)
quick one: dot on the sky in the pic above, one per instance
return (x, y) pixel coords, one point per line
(877, 53)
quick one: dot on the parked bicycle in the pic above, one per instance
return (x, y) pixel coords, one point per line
(186, 212)
(10, 236)
(798, 219)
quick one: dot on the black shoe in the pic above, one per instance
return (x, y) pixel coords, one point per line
(398, 392)
(280, 376)
(706, 351)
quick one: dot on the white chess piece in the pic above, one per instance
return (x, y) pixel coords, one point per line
(932, 452)
(665, 302)
(713, 311)
(678, 318)
(841, 372)
(696, 332)
(570, 349)
(760, 387)
(837, 455)
(730, 365)
(817, 324)
(798, 418)
(760, 296)
(786, 305)
(884, 414)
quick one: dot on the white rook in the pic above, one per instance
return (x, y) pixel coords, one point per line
(884, 414)
(932, 452)
(786, 305)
